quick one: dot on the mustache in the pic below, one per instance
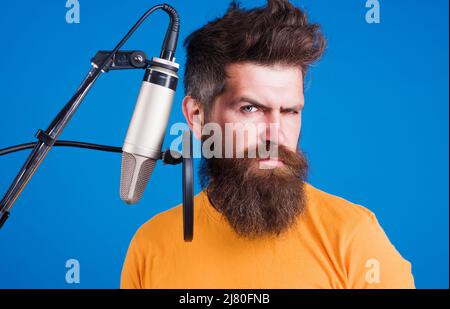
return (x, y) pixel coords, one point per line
(295, 160)
(244, 168)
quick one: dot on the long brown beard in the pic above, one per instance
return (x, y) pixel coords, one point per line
(257, 202)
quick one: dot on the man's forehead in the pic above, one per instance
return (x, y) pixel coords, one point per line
(259, 73)
(274, 83)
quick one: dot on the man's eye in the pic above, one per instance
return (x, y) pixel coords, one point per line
(249, 109)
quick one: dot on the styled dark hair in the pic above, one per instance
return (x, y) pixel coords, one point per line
(277, 33)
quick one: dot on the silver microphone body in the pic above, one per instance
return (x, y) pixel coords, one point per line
(145, 135)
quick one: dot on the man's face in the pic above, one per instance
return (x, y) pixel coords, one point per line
(258, 195)
(267, 97)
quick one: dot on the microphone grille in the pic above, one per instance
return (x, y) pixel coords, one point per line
(135, 174)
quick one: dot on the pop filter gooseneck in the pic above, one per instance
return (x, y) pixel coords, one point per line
(188, 187)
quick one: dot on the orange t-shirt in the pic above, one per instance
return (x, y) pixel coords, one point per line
(336, 244)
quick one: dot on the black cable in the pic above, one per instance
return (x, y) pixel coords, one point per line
(63, 117)
(26, 146)
(168, 157)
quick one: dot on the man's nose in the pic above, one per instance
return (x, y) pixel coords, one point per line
(273, 128)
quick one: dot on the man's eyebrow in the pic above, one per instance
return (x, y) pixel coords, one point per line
(260, 105)
(297, 107)
(248, 100)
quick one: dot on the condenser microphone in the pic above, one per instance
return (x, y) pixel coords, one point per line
(145, 135)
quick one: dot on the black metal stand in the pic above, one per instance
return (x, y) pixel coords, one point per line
(103, 61)
(45, 143)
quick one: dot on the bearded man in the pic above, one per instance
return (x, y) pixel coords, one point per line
(258, 223)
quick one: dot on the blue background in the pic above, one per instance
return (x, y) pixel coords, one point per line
(375, 130)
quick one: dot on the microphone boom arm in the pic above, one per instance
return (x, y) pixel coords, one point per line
(101, 63)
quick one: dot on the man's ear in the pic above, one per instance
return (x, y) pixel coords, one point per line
(194, 114)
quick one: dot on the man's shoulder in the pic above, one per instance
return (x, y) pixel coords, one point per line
(334, 208)
(167, 223)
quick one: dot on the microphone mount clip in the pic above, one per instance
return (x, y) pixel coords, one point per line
(121, 60)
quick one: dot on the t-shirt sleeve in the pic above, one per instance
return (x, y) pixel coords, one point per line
(372, 261)
(130, 277)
